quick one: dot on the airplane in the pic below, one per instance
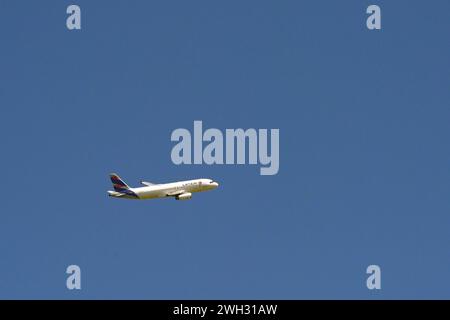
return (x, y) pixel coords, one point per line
(180, 190)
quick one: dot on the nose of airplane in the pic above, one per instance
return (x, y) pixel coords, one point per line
(215, 184)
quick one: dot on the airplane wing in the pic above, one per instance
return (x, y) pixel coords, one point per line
(116, 194)
(148, 184)
(175, 193)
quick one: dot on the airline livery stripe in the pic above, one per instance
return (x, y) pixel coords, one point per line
(117, 181)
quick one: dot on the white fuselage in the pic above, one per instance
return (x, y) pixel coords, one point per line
(173, 189)
(164, 190)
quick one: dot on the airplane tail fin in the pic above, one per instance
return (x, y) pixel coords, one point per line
(118, 184)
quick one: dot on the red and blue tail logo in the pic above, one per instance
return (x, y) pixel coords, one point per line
(118, 184)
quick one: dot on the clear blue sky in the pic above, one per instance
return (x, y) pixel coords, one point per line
(364, 149)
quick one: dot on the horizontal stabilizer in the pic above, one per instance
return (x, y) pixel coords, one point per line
(148, 184)
(115, 194)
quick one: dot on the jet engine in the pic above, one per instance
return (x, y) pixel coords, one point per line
(184, 196)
